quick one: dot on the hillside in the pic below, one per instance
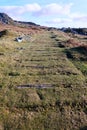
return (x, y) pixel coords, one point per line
(81, 31)
(43, 80)
(5, 19)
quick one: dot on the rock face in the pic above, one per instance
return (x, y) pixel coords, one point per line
(5, 19)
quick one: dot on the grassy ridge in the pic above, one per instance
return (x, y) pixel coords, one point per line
(42, 61)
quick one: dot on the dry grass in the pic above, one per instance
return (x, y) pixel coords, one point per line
(41, 61)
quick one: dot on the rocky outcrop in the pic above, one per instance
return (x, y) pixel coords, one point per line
(81, 31)
(5, 19)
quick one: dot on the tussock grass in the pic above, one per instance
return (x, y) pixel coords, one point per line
(37, 62)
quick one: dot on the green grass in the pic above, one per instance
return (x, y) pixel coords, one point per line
(41, 62)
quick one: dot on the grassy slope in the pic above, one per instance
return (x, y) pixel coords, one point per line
(41, 61)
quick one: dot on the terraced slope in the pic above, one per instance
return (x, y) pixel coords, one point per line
(41, 87)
